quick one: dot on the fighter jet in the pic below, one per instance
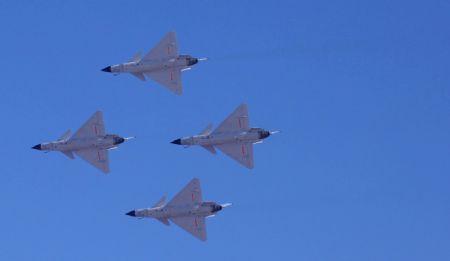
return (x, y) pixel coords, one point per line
(163, 64)
(233, 137)
(90, 143)
(186, 209)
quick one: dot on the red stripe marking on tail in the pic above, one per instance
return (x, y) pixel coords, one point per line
(243, 151)
(98, 154)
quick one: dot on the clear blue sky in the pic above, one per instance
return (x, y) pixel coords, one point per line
(360, 90)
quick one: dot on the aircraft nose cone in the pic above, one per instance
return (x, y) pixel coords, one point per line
(191, 61)
(118, 140)
(177, 141)
(217, 208)
(37, 147)
(264, 134)
(131, 213)
(107, 69)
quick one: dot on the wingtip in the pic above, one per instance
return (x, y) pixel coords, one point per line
(98, 112)
(105, 170)
(194, 180)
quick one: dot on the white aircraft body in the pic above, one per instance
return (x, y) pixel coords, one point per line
(234, 137)
(186, 209)
(163, 64)
(90, 143)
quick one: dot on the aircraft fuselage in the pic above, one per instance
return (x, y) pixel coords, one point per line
(253, 135)
(204, 209)
(73, 144)
(181, 62)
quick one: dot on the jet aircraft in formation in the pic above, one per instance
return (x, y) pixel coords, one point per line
(187, 210)
(233, 137)
(163, 64)
(90, 143)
